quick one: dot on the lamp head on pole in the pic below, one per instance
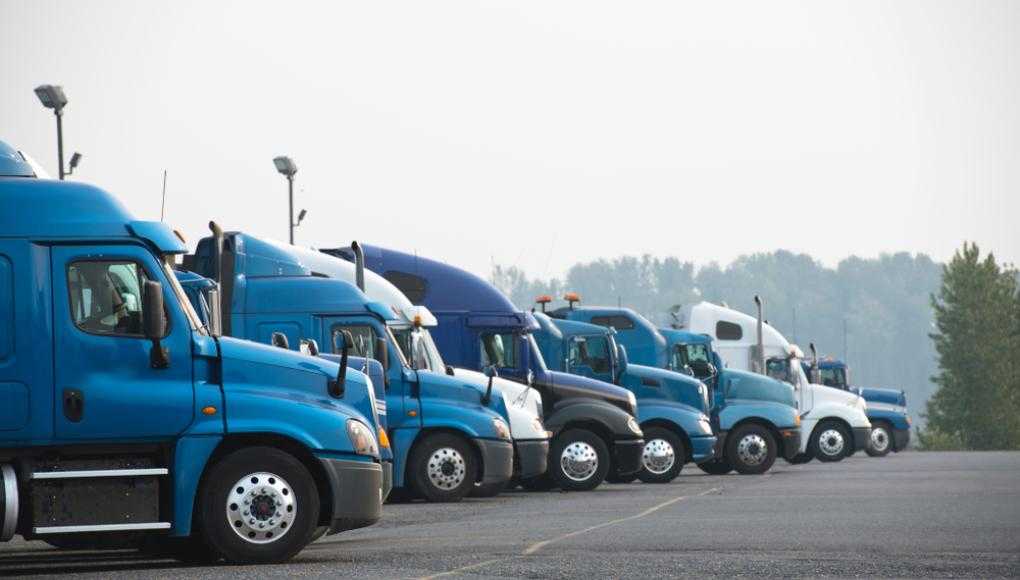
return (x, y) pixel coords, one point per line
(285, 165)
(52, 97)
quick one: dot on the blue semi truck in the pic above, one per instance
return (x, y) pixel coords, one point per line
(594, 425)
(886, 408)
(447, 433)
(672, 408)
(125, 417)
(754, 417)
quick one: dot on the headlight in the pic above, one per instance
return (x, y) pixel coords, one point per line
(501, 428)
(706, 424)
(537, 425)
(632, 424)
(361, 438)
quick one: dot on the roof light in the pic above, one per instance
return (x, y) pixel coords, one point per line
(572, 297)
(543, 299)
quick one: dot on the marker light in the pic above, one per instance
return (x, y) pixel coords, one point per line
(384, 439)
(543, 299)
(417, 320)
(572, 297)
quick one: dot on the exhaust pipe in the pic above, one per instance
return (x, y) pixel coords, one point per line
(759, 356)
(359, 265)
(217, 252)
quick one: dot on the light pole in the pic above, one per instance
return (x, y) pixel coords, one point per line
(52, 97)
(286, 166)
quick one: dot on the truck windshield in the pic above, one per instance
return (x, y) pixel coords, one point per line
(779, 369)
(417, 347)
(182, 298)
(834, 377)
(591, 351)
(536, 356)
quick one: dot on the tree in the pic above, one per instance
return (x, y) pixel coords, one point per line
(977, 338)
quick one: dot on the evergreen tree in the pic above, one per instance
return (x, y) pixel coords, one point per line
(976, 339)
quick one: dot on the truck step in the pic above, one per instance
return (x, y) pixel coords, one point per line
(87, 473)
(43, 530)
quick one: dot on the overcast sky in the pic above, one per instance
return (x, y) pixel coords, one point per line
(539, 134)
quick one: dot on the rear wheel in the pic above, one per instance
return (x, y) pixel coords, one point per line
(443, 468)
(579, 460)
(751, 449)
(830, 442)
(880, 442)
(258, 505)
(716, 467)
(663, 456)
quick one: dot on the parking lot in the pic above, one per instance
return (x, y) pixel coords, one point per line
(908, 515)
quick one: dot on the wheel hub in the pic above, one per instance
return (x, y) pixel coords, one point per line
(446, 468)
(831, 442)
(879, 439)
(752, 449)
(658, 456)
(261, 507)
(579, 461)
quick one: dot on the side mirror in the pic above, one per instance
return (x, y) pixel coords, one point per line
(154, 324)
(215, 323)
(621, 357)
(342, 341)
(312, 347)
(491, 372)
(382, 355)
(449, 370)
(279, 339)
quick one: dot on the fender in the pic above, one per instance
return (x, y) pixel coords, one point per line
(609, 417)
(897, 419)
(779, 415)
(691, 421)
(191, 457)
(852, 416)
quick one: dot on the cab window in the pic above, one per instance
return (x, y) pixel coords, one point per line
(106, 297)
(364, 339)
(592, 351)
(499, 350)
(779, 369)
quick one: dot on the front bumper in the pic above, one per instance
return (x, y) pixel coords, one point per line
(862, 437)
(497, 460)
(790, 442)
(357, 493)
(532, 457)
(703, 448)
(901, 438)
(627, 455)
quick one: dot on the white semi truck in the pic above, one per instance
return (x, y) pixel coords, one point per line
(833, 421)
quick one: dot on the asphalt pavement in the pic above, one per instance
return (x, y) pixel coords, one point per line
(911, 514)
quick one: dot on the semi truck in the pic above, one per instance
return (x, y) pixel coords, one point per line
(124, 416)
(886, 408)
(754, 418)
(833, 421)
(672, 408)
(447, 433)
(595, 432)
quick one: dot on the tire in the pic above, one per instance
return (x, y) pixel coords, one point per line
(716, 467)
(800, 459)
(578, 460)
(540, 483)
(663, 457)
(488, 489)
(751, 449)
(880, 443)
(443, 468)
(258, 505)
(830, 442)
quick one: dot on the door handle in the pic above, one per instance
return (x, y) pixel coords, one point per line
(74, 405)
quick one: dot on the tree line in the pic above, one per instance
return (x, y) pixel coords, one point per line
(892, 318)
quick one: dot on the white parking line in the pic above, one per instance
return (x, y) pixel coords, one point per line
(535, 547)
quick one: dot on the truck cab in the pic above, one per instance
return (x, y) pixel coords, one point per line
(125, 416)
(886, 408)
(754, 418)
(834, 421)
(672, 408)
(594, 429)
(446, 433)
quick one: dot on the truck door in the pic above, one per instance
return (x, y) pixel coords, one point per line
(104, 383)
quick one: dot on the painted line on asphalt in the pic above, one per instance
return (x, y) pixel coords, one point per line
(535, 547)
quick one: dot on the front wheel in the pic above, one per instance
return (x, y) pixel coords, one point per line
(830, 442)
(258, 505)
(578, 460)
(880, 442)
(443, 468)
(663, 456)
(716, 466)
(751, 449)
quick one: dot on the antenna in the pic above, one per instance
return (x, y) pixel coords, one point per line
(162, 209)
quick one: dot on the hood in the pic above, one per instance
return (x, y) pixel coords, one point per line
(465, 389)
(823, 393)
(673, 386)
(887, 396)
(750, 386)
(523, 404)
(568, 386)
(252, 365)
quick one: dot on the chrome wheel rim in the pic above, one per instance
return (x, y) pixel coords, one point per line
(658, 456)
(831, 442)
(752, 449)
(261, 508)
(879, 439)
(579, 461)
(446, 468)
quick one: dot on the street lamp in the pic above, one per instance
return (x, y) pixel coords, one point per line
(52, 97)
(287, 167)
